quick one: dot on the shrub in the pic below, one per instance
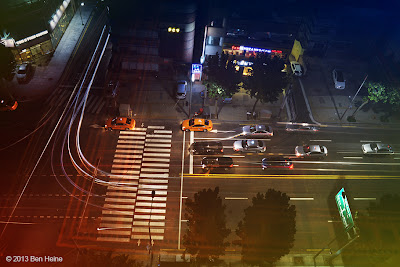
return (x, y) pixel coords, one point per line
(351, 119)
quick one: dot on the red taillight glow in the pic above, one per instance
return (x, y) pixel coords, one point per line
(231, 165)
(291, 166)
(14, 107)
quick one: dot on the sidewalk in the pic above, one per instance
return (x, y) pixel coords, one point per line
(45, 78)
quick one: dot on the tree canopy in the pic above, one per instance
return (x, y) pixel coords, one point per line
(377, 244)
(266, 79)
(222, 78)
(378, 92)
(267, 229)
(90, 258)
(206, 226)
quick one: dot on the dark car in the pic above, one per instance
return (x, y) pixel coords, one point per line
(206, 148)
(216, 162)
(276, 162)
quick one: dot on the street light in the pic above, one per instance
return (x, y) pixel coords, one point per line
(80, 13)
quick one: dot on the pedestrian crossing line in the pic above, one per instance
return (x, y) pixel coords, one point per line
(113, 239)
(121, 194)
(149, 210)
(155, 164)
(145, 237)
(144, 198)
(146, 229)
(156, 159)
(134, 129)
(140, 223)
(154, 181)
(118, 206)
(153, 170)
(139, 137)
(124, 166)
(124, 172)
(123, 183)
(115, 232)
(157, 145)
(115, 200)
(149, 204)
(127, 161)
(147, 217)
(152, 186)
(100, 107)
(117, 212)
(163, 131)
(131, 132)
(117, 219)
(157, 150)
(156, 175)
(159, 141)
(145, 192)
(156, 127)
(128, 151)
(131, 146)
(116, 225)
(123, 141)
(128, 156)
(155, 155)
(122, 188)
(124, 177)
(159, 136)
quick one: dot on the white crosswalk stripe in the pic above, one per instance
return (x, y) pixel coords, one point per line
(138, 188)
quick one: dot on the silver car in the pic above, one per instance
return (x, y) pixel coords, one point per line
(338, 79)
(377, 149)
(257, 131)
(311, 151)
(249, 146)
(23, 71)
(301, 127)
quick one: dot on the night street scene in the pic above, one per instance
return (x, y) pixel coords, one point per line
(191, 133)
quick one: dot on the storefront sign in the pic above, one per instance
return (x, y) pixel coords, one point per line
(253, 49)
(30, 38)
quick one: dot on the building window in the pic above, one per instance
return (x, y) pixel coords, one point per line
(213, 40)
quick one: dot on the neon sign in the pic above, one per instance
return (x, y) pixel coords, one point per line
(30, 38)
(253, 49)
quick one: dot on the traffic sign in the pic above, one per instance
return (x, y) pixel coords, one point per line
(344, 210)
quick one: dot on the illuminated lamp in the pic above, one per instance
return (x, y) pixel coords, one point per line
(173, 29)
(169, 29)
(178, 30)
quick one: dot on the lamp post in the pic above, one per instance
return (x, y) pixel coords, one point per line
(351, 102)
(80, 13)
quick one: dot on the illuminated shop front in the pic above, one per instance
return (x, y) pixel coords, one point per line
(36, 42)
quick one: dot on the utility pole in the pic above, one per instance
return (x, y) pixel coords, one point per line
(351, 102)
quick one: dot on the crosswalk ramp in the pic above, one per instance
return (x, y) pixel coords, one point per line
(141, 168)
(60, 98)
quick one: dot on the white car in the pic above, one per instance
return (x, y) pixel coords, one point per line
(296, 68)
(377, 149)
(311, 151)
(249, 146)
(338, 79)
(257, 131)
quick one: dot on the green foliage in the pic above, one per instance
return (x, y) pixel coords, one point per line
(380, 93)
(378, 244)
(266, 80)
(91, 258)
(223, 79)
(267, 229)
(206, 224)
(351, 119)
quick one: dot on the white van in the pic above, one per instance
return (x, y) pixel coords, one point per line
(181, 89)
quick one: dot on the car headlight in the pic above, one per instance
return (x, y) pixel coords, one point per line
(298, 154)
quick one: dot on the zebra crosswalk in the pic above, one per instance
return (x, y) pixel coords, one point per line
(59, 98)
(135, 206)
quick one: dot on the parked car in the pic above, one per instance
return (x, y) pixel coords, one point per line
(23, 72)
(377, 149)
(198, 125)
(249, 146)
(276, 162)
(338, 79)
(181, 89)
(120, 123)
(257, 131)
(208, 163)
(296, 68)
(311, 151)
(206, 148)
(301, 127)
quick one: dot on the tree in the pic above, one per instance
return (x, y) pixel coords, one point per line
(266, 79)
(91, 258)
(377, 244)
(206, 226)
(267, 229)
(7, 62)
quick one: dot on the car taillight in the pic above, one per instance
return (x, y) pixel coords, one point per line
(231, 165)
(222, 150)
(291, 166)
(298, 154)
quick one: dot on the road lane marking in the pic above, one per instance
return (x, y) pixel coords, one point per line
(365, 198)
(353, 157)
(163, 131)
(191, 155)
(165, 150)
(236, 198)
(159, 141)
(366, 141)
(301, 198)
(157, 145)
(156, 127)
(159, 135)
(322, 140)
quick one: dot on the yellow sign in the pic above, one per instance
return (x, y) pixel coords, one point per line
(297, 50)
